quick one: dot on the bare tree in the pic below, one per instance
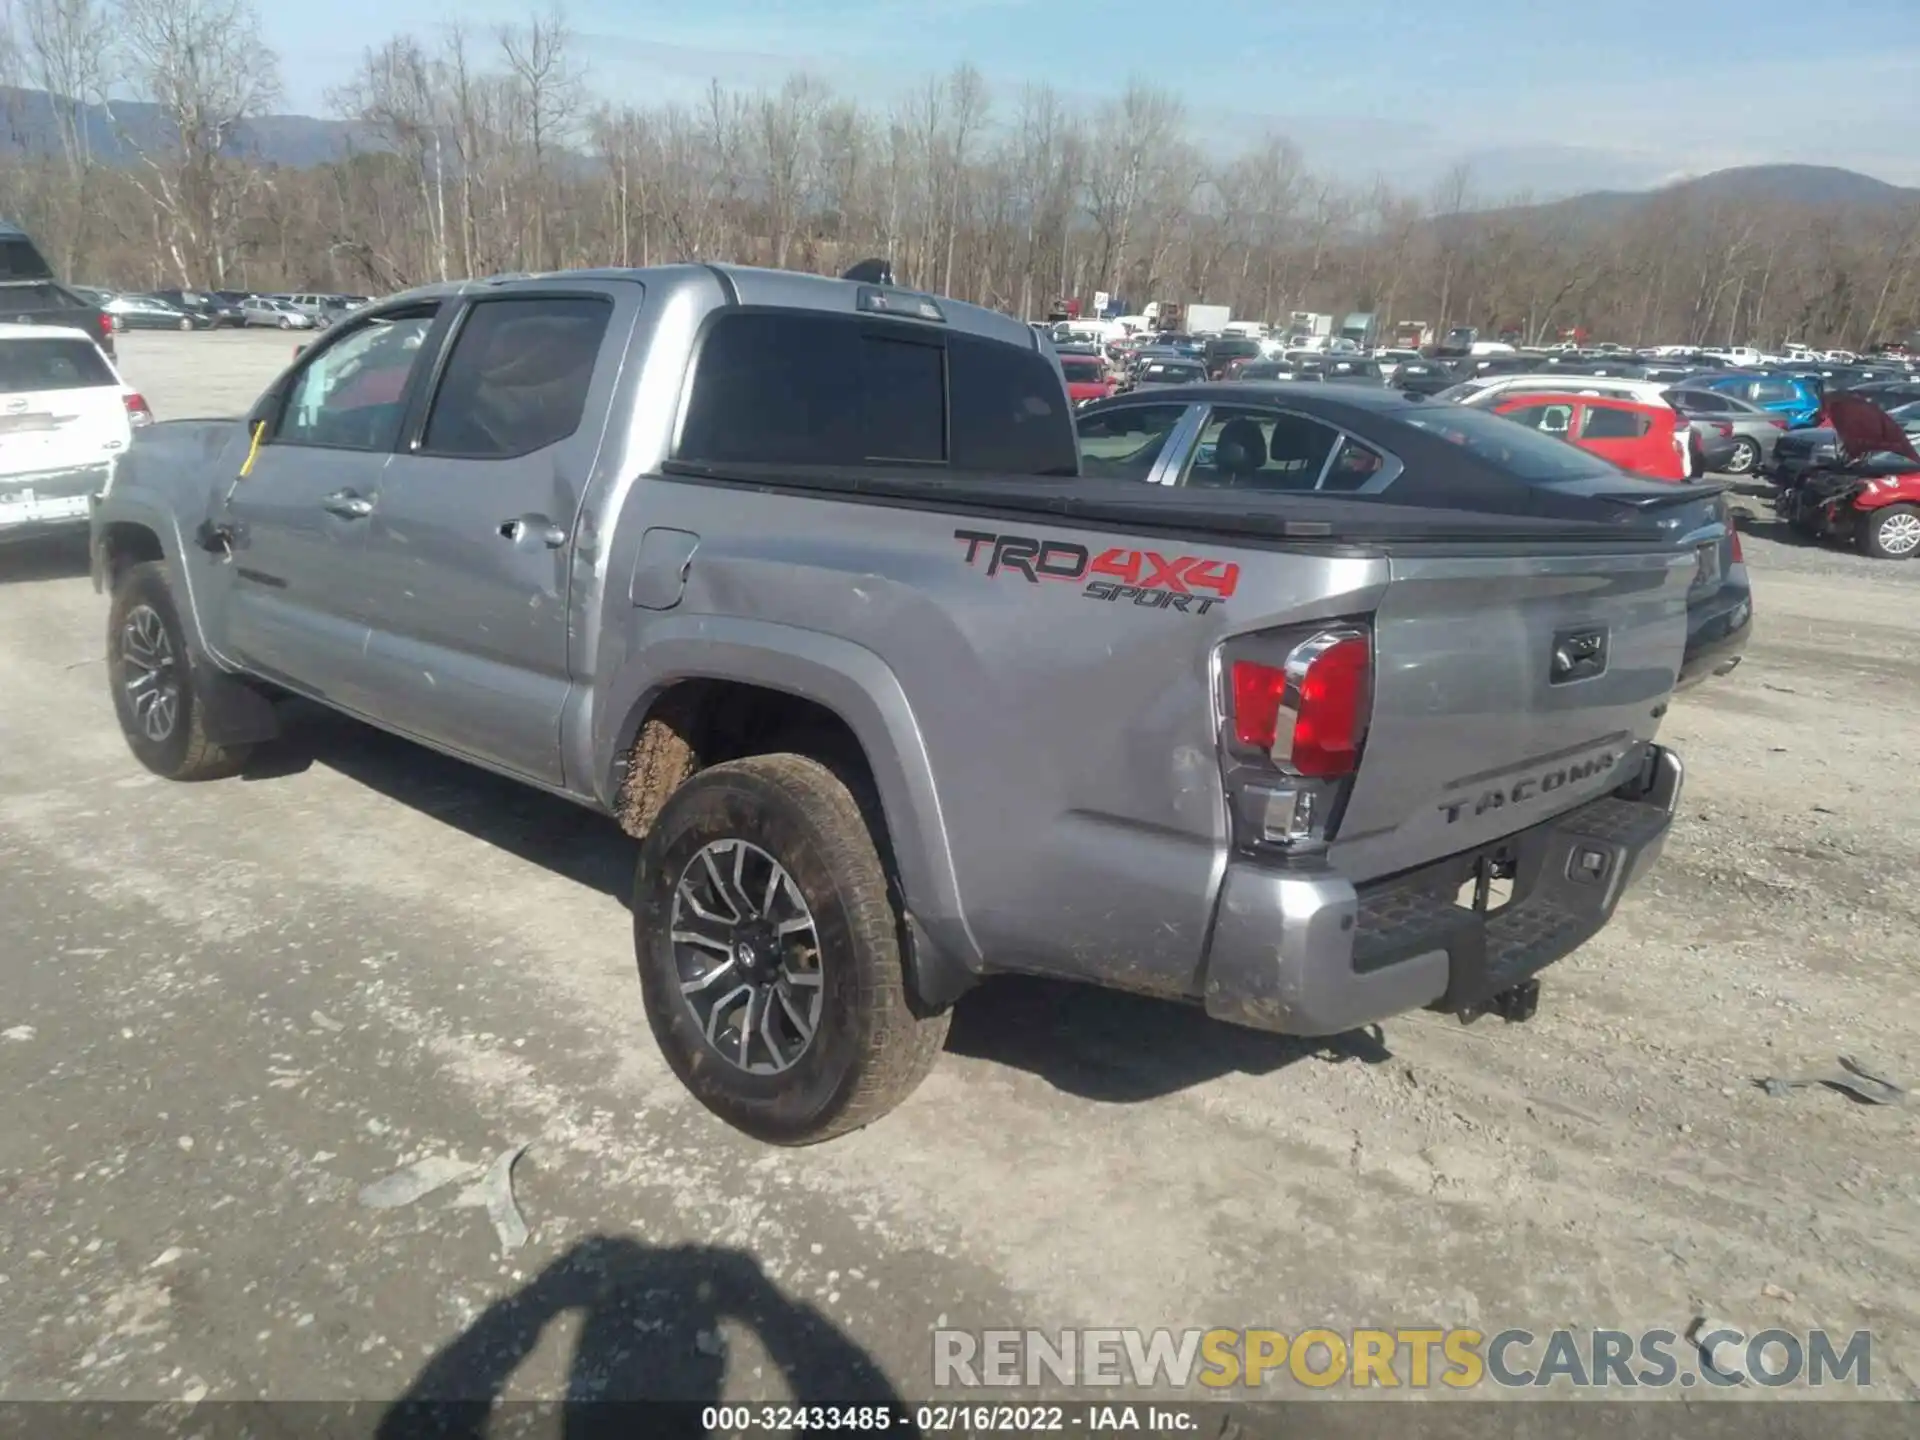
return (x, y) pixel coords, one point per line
(203, 65)
(548, 90)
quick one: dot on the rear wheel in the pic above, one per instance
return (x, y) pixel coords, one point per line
(155, 693)
(186, 324)
(770, 955)
(1892, 533)
(1745, 458)
(285, 323)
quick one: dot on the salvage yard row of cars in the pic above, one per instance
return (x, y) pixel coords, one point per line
(217, 309)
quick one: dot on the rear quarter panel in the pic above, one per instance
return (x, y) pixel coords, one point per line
(1069, 741)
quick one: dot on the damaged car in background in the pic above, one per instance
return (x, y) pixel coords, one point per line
(1866, 491)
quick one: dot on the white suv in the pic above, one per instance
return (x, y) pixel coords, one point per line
(66, 417)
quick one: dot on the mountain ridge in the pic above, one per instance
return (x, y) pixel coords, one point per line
(117, 136)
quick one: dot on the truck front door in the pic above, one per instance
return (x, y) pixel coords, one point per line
(469, 557)
(296, 518)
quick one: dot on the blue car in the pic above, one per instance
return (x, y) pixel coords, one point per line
(1797, 399)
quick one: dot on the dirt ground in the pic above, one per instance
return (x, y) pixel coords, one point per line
(228, 1008)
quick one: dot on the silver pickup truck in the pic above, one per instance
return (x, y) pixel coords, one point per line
(1307, 708)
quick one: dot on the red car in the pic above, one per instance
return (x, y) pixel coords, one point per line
(1649, 440)
(1870, 494)
(1087, 377)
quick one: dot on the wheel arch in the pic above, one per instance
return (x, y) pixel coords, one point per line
(729, 687)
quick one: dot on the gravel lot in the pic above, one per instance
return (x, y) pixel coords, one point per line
(227, 1008)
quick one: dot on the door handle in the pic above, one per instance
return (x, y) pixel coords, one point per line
(347, 505)
(527, 529)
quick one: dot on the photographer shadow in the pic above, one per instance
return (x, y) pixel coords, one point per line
(650, 1331)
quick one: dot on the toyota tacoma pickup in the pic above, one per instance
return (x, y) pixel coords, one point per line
(1308, 709)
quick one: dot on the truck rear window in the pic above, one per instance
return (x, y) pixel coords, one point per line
(27, 366)
(809, 388)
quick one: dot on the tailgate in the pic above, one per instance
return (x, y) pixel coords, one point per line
(61, 429)
(1507, 690)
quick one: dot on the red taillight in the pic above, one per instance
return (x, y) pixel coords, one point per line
(106, 323)
(1257, 693)
(1739, 558)
(137, 412)
(1725, 429)
(1312, 710)
(1781, 424)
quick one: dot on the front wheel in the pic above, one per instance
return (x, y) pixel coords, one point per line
(1891, 533)
(1745, 458)
(770, 955)
(186, 324)
(285, 323)
(155, 693)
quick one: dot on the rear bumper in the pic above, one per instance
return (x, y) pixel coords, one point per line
(1311, 954)
(1718, 627)
(76, 485)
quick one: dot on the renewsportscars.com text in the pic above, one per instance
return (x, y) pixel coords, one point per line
(1456, 1359)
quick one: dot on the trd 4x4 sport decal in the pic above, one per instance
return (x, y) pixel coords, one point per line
(1191, 584)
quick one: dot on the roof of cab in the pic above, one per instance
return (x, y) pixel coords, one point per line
(747, 285)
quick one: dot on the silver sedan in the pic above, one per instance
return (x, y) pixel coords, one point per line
(1755, 430)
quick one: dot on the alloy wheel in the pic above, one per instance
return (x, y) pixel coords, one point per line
(1900, 534)
(152, 673)
(748, 955)
(1746, 456)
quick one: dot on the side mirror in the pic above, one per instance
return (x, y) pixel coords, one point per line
(264, 409)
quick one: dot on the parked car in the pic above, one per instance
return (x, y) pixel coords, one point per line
(149, 312)
(218, 313)
(1273, 371)
(1087, 378)
(1649, 440)
(265, 310)
(1794, 398)
(1755, 431)
(1868, 493)
(1818, 446)
(1155, 373)
(1222, 351)
(29, 294)
(322, 310)
(811, 708)
(66, 417)
(1351, 370)
(1424, 379)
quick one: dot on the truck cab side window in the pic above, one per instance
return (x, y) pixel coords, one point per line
(516, 380)
(352, 395)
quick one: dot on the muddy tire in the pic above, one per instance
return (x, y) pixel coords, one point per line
(152, 675)
(769, 949)
(1892, 533)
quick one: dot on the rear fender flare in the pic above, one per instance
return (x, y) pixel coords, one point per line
(235, 711)
(150, 512)
(855, 684)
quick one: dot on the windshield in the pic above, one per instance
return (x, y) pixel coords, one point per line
(1523, 453)
(1083, 370)
(1174, 374)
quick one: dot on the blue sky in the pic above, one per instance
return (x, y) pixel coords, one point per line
(1555, 96)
